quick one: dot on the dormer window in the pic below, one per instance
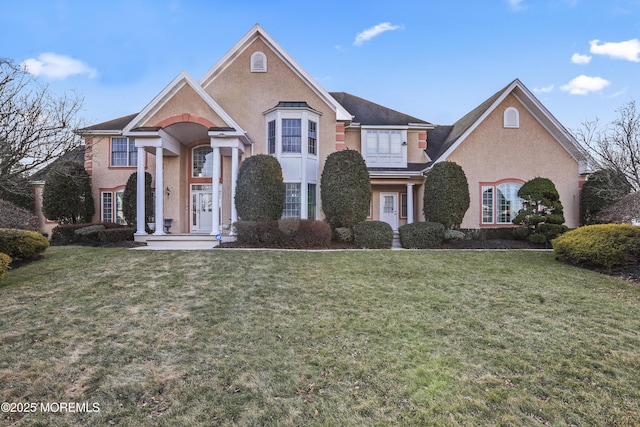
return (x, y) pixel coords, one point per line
(384, 148)
(258, 62)
(511, 118)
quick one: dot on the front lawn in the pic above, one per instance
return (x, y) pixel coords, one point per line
(292, 338)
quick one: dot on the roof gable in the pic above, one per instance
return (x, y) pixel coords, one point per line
(257, 32)
(445, 139)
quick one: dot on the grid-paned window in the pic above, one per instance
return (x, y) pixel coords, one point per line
(123, 152)
(311, 201)
(313, 137)
(403, 205)
(500, 203)
(292, 200)
(271, 137)
(202, 162)
(107, 207)
(291, 135)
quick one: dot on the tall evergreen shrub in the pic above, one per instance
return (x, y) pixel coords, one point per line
(130, 197)
(67, 194)
(260, 189)
(541, 211)
(446, 195)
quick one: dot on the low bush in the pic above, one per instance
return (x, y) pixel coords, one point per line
(373, 235)
(284, 233)
(421, 235)
(344, 234)
(13, 216)
(65, 234)
(22, 244)
(503, 233)
(5, 261)
(601, 245)
(453, 235)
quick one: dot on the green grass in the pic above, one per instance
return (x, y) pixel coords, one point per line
(290, 338)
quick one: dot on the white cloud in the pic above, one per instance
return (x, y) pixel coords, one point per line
(545, 89)
(580, 59)
(629, 50)
(582, 85)
(516, 5)
(372, 32)
(57, 67)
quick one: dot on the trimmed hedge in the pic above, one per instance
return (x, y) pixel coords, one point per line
(421, 235)
(65, 234)
(600, 245)
(260, 190)
(373, 235)
(22, 244)
(446, 195)
(13, 216)
(284, 233)
(5, 261)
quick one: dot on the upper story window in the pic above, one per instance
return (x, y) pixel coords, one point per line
(286, 125)
(385, 148)
(511, 118)
(123, 152)
(202, 163)
(258, 62)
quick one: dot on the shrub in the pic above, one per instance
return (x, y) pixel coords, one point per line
(17, 190)
(344, 234)
(260, 189)
(66, 196)
(130, 197)
(600, 245)
(65, 234)
(5, 262)
(446, 195)
(22, 244)
(13, 216)
(345, 189)
(453, 235)
(602, 189)
(421, 235)
(284, 233)
(540, 205)
(373, 235)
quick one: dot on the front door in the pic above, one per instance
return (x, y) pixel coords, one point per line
(389, 209)
(201, 206)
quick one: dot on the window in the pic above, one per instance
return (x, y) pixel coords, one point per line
(271, 137)
(385, 148)
(123, 152)
(313, 137)
(403, 205)
(500, 203)
(511, 118)
(292, 200)
(258, 62)
(311, 201)
(112, 206)
(202, 164)
(291, 135)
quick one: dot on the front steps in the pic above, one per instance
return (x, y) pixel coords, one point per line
(180, 241)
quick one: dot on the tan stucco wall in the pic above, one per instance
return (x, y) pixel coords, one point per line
(492, 153)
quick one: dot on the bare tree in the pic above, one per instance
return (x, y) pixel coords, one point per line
(617, 146)
(36, 126)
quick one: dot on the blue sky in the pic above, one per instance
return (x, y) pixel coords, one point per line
(432, 59)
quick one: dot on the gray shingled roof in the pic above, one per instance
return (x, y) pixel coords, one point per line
(115, 124)
(369, 113)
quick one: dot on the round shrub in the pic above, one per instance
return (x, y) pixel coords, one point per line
(421, 235)
(5, 262)
(22, 244)
(446, 195)
(600, 245)
(373, 235)
(260, 189)
(345, 189)
(13, 216)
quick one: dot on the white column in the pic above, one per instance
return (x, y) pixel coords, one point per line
(409, 203)
(140, 217)
(159, 192)
(215, 188)
(234, 178)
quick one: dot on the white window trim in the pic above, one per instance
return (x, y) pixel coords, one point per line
(494, 202)
(129, 151)
(509, 123)
(258, 62)
(373, 160)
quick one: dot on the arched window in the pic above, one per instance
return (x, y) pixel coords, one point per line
(202, 164)
(511, 118)
(258, 62)
(500, 203)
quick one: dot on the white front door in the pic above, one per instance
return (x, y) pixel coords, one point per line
(389, 209)
(201, 206)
